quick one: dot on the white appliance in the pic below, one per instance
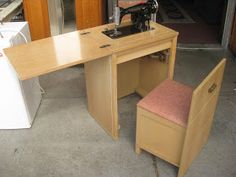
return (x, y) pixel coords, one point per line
(19, 100)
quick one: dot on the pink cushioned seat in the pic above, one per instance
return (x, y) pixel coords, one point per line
(170, 100)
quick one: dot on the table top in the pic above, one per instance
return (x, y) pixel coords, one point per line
(159, 34)
(44, 56)
(51, 54)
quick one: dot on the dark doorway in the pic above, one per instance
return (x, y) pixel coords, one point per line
(197, 21)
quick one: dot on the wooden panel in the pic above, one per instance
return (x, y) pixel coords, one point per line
(201, 117)
(127, 77)
(99, 94)
(114, 105)
(233, 37)
(43, 56)
(141, 51)
(201, 94)
(197, 135)
(159, 136)
(172, 58)
(158, 38)
(36, 13)
(51, 54)
(152, 72)
(88, 13)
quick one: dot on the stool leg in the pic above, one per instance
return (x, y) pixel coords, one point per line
(137, 149)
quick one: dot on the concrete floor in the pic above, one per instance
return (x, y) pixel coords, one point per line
(69, 26)
(65, 141)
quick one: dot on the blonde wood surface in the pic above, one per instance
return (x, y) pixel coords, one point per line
(152, 72)
(173, 143)
(140, 75)
(159, 36)
(201, 94)
(36, 13)
(46, 55)
(201, 115)
(51, 54)
(89, 13)
(99, 93)
(159, 136)
(114, 104)
(172, 58)
(195, 139)
(138, 52)
(127, 77)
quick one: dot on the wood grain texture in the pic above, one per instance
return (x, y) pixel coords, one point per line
(36, 13)
(127, 77)
(51, 54)
(54, 53)
(143, 50)
(201, 115)
(173, 143)
(99, 93)
(89, 13)
(114, 103)
(172, 58)
(159, 136)
(161, 35)
(201, 95)
(152, 72)
(140, 75)
(104, 66)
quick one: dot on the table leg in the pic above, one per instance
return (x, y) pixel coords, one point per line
(172, 58)
(101, 81)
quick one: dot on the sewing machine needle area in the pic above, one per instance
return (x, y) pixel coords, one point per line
(141, 15)
(123, 31)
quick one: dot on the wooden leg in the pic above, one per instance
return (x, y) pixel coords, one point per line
(137, 149)
(181, 173)
(114, 104)
(102, 100)
(172, 58)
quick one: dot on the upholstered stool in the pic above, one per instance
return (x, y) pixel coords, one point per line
(174, 120)
(169, 94)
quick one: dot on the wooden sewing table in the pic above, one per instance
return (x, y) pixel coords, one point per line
(114, 68)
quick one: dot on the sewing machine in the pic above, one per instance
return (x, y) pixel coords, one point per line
(140, 19)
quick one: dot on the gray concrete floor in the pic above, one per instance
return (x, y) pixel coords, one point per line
(69, 26)
(65, 141)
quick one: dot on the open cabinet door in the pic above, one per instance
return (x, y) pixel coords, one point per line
(89, 13)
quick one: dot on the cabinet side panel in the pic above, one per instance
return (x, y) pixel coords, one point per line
(99, 91)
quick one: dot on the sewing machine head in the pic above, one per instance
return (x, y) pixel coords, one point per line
(140, 19)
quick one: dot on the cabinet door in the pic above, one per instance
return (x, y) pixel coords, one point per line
(89, 13)
(36, 13)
